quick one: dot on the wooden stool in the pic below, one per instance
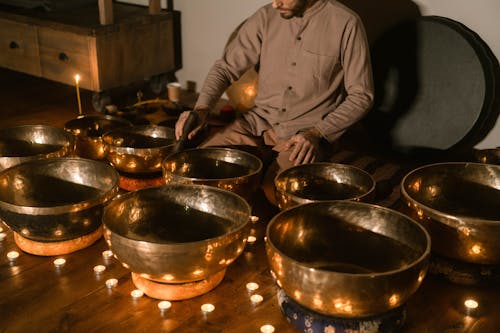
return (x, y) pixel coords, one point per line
(177, 291)
(57, 248)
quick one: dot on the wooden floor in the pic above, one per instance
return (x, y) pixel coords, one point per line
(37, 297)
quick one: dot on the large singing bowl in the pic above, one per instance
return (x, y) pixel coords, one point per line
(459, 204)
(345, 258)
(226, 168)
(56, 199)
(322, 181)
(139, 149)
(88, 131)
(24, 143)
(177, 233)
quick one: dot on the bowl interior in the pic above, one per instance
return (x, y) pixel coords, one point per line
(56, 182)
(347, 237)
(177, 214)
(458, 189)
(325, 181)
(31, 140)
(140, 137)
(95, 125)
(212, 163)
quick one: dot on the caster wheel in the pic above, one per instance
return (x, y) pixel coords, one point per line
(159, 82)
(100, 100)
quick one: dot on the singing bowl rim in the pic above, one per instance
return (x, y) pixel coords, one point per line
(440, 216)
(106, 137)
(104, 197)
(195, 179)
(416, 262)
(65, 149)
(124, 197)
(74, 127)
(299, 199)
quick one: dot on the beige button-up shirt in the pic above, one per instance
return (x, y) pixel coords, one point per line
(314, 70)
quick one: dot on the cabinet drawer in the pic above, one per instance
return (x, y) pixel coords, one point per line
(19, 47)
(65, 54)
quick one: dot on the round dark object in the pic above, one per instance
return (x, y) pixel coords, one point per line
(434, 82)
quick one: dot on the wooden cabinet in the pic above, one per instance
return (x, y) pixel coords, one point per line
(19, 47)
(58, 45)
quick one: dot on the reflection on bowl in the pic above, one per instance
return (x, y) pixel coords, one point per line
(88, 131)
(226, 168)
(346, 258)
(322, 181)
(56, 199)
(139, 149)
(177, 233)
(24, 143)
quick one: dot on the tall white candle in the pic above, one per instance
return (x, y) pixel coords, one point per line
(77, 85)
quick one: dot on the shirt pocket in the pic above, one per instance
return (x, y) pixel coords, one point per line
(320, 63)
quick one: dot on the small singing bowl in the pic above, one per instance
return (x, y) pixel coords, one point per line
(226, 168)
(56, 199)
(459, 204)
(345, 258)
(24, 143)
(322, 181)
(488, 156)
(139, 149)
(88, 131)
(177, 233)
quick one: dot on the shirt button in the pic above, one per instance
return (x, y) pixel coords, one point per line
(294, 64)
(299, 38)
(283, 110)
(290, 88)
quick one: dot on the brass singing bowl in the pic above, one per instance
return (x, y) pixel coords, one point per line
(24, 143)
(177, 233)
(226, 168)
(56, 199)
(488, 156)
(459, 204)
(139, 149)
(322, 181)
(88, 131)
(345, 258)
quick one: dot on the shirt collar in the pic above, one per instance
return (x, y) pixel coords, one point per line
(316, 7)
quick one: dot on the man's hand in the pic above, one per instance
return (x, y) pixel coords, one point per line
(305, 145)
(202, 118)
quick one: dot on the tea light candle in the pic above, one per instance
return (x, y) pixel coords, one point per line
(2, 236)
(110, 283)
(267, 328)
(256, 299)
(59, 262)
(108, 254)
(251, 239)
(471, 304)
(77, 86)
(13, 255)
(164, 305)
(254, 219)
(136, 293)
(207, 308)
(99, 269)
(252, 286)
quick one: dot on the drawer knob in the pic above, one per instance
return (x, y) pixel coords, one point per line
(13, 45)
(63, 57)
